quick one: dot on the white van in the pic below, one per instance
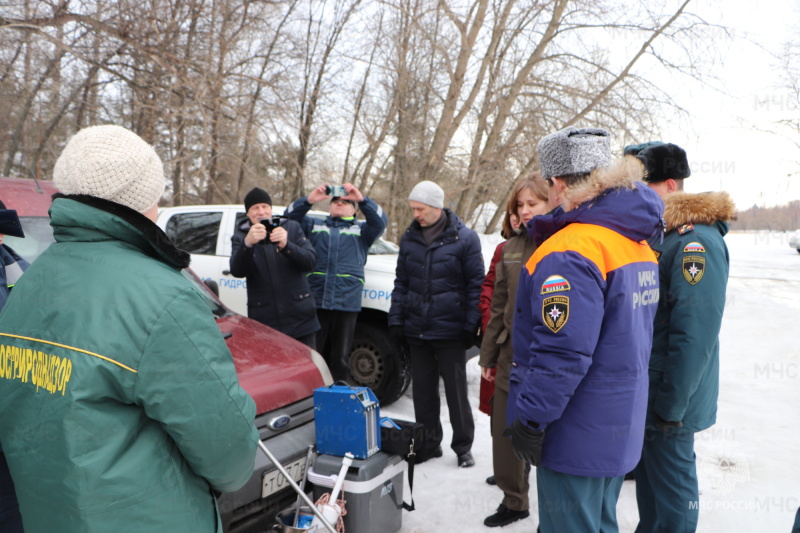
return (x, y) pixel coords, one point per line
(205, 232)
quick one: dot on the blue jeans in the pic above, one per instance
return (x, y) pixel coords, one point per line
(666, 483)
(577, 503)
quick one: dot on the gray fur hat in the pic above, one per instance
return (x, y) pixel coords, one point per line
(574, 151)
(112, 163)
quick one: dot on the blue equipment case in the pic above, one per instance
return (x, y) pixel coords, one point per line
(346, 420)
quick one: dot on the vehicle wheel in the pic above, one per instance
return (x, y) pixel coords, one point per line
(377, 364)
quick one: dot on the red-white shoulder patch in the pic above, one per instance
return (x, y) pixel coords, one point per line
(694, 248)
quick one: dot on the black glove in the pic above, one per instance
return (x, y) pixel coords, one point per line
(666, 425)
(396, 334)
(469, 339)
(527, 442)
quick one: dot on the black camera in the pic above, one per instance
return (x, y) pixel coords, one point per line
(336, 191)
(270, 224)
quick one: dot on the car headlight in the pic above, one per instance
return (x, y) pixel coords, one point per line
(322, 366)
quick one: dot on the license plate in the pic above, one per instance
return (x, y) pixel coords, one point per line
(273, 481)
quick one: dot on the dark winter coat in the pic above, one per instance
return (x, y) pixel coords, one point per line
(485, 307)
(487, 288)
(693, 268)
(120, 408)
(277, 289)
(583, 327)
(437, 286)
(337, 280)
(496, 348)
(11, 268)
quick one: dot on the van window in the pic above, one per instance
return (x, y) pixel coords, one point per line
(240, 218)
(38, 236)
(195, 233)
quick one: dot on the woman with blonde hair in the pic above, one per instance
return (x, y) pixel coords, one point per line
(529, 199)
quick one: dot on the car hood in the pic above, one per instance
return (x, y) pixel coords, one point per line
(274, 369)
(382, 263)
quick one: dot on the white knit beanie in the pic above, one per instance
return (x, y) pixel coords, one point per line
(428, 193)
(113, 163)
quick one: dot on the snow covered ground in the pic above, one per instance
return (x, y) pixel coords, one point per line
(748, 463)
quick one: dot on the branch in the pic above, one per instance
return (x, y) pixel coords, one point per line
(607, 89)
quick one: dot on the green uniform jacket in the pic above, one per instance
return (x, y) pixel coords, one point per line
(496, 349)
(120, 408)
(693, 268)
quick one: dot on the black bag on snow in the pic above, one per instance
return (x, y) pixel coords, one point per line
(403, 442)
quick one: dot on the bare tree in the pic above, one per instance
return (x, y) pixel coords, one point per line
(285, 93)
(319, 47)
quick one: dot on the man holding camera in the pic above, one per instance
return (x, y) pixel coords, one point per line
(341, 242)
(274, 255)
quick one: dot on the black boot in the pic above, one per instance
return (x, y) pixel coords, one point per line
(465, 460)
(504, 516)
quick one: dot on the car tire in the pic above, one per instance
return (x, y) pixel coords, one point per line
(376, 363)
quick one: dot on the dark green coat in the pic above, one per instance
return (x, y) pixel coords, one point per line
(120, 409)
(693, 268)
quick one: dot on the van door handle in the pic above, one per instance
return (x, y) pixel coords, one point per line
(226, 272)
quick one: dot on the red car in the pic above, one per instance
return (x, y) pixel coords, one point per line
(277, 371)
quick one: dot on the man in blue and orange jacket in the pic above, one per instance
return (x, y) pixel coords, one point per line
(583, 331)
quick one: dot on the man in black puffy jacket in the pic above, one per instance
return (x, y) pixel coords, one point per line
(435, 309)
(275, 261)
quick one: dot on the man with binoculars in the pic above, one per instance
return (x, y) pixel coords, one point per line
(273, 254)
(342, 243)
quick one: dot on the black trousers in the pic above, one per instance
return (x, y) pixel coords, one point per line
(10, 518)
(335, 340)
(309, 340)
(447, 359)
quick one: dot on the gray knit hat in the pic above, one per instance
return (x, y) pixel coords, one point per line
(113, 163)
(428, 193)
(574, 151)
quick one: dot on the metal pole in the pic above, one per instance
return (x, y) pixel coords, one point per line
(303, 483)
(296, 488)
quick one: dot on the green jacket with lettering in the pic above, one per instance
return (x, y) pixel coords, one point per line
(120, 408)
(693, 268)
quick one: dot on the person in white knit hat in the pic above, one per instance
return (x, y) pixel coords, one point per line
(112, 163)
(435, 310)
(111, 351)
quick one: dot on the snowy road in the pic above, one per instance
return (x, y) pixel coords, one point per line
(748, 463)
